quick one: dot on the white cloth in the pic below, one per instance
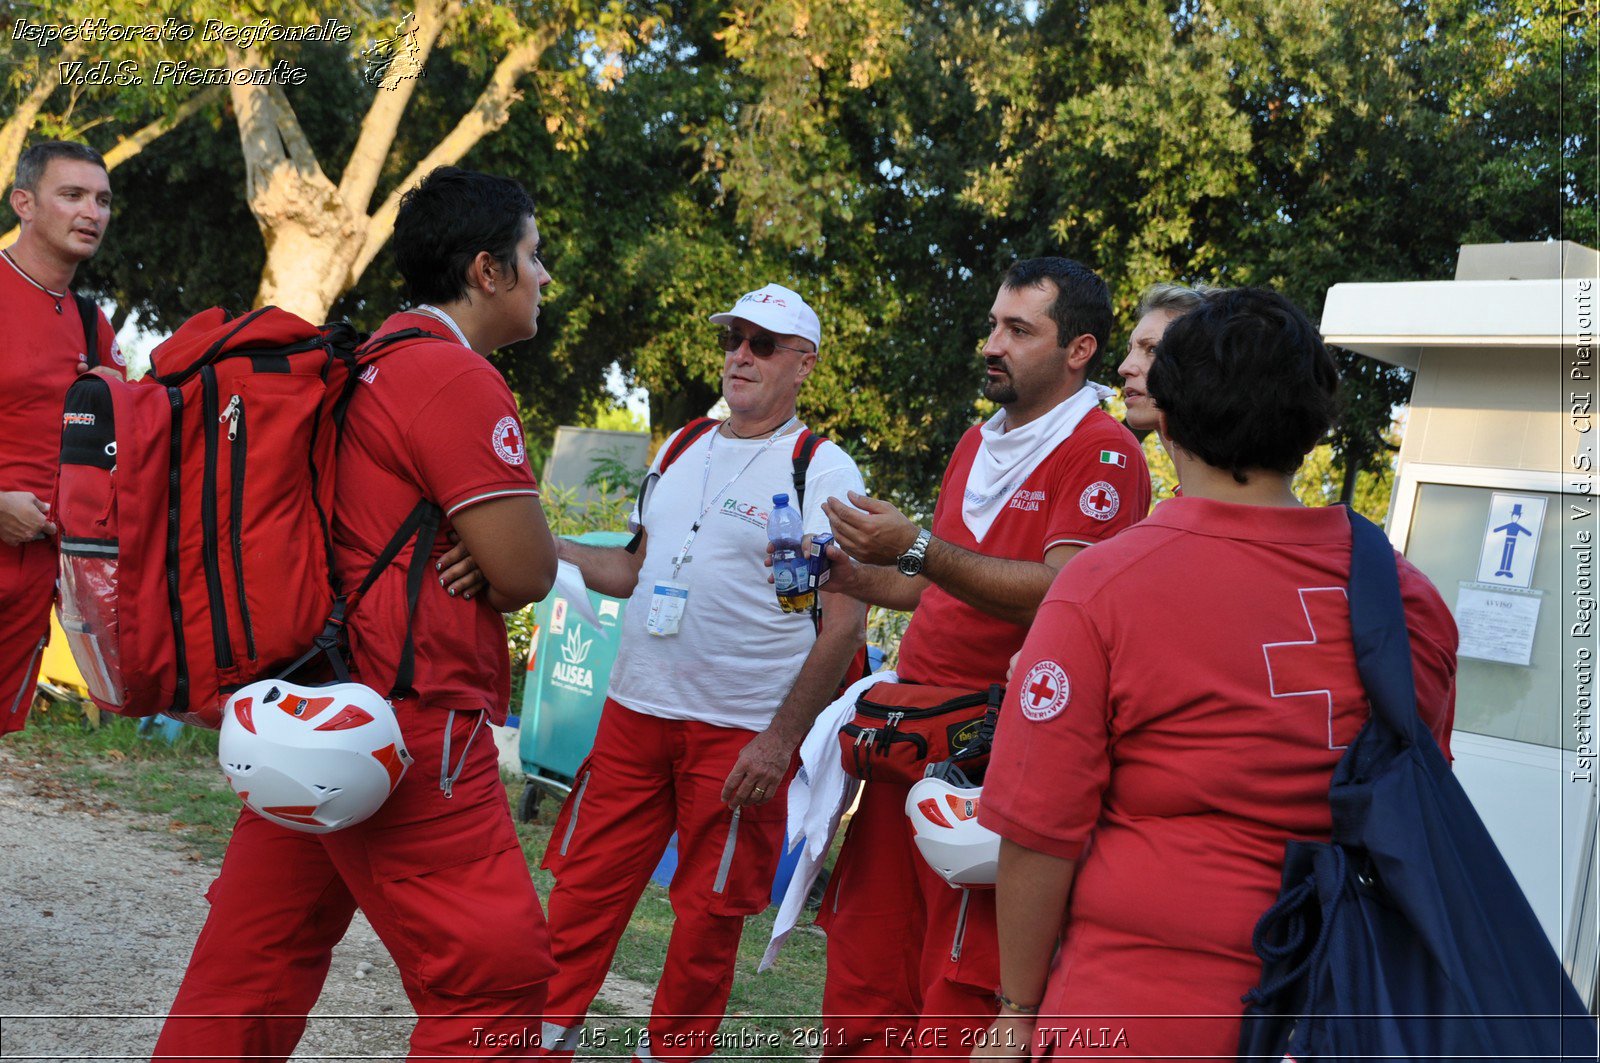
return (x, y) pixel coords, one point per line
(1005, 459)
(818, 795)
(736, 653)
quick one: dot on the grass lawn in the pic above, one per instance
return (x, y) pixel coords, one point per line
(114, 765)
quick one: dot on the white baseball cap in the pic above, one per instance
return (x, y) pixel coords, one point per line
(777, 309)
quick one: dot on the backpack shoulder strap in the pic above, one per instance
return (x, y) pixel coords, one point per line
(674, 450)
(805, 448)
(375, 347)
(685, 439)
(89, 313)
(421, 530)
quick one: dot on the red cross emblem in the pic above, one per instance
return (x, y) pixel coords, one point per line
(1100, 501)
(1310, 667)
(1045, 691)
(508, 441)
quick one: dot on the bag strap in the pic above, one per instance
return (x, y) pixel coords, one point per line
(370, 349)
(421, 525)
(1378, 629)
(89, 314)
(681, 442)
(805, 447)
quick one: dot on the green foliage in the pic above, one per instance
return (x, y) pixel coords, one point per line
(889, 159)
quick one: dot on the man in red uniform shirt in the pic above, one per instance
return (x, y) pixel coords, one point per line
(1183, 698)
(437, 870)
(1048, 475)
(62, 199)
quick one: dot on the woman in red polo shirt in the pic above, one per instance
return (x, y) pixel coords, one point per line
(437, 870)
(1178, 709)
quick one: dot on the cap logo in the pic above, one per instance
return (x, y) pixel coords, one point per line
(762, 297)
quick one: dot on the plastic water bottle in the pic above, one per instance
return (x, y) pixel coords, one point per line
(791, 570)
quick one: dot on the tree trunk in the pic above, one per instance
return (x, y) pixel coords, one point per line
(319, 237)
(1352, 472)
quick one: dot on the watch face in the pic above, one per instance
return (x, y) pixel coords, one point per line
(909, 565)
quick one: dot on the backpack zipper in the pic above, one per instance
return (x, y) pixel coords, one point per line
(238, 447)
(208, 521)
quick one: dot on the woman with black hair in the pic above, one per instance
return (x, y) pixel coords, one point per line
(1178, 709)
(438, 870)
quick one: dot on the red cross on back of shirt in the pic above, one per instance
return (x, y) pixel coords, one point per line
(1311, 668)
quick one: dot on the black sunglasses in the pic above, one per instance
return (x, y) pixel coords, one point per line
(760, 346)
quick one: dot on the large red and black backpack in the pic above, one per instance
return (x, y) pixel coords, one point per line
(805, 448)
(195, 508)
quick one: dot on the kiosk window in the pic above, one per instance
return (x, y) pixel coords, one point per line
(1450, 540)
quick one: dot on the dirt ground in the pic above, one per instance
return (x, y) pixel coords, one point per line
(98, 911)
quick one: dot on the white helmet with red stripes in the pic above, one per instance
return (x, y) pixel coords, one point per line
(944, 818)
(311, 758)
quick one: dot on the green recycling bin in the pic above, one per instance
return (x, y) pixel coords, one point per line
(568, 673)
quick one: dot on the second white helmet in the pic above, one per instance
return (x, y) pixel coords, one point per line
(311, 758)
(948, 834)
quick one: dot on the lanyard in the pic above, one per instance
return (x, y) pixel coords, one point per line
(683, 557)
(434, 311)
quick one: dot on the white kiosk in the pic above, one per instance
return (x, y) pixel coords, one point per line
(1495, 500)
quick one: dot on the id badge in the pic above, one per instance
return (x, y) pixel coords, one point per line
(667, 603)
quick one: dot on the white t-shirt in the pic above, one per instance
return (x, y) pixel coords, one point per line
(736, 654)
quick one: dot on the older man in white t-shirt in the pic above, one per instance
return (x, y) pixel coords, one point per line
(705, 710)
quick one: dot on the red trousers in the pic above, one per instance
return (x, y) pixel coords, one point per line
(27, 587)
(910, 973)
(442, 880)
(645, 777)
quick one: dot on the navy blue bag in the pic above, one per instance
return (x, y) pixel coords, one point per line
(1407, 936)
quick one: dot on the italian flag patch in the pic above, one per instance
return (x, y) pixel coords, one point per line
(1112, 457)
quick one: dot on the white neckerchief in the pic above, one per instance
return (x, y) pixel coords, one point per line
(1005, 459)
(434, 311)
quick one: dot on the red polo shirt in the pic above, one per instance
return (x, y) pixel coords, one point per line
(1183, 696)
(1078, 495)
(430, 419)
(38, 363)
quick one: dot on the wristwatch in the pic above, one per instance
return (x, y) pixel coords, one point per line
(910, 562)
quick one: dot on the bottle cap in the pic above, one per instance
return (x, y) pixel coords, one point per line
(780, 500)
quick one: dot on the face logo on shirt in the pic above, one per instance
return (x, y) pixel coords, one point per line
(1100, 501)
(508, 441)
(1045, 691)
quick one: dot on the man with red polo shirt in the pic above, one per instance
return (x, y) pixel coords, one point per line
(62, 199)
(437, 870)
(1048, 475)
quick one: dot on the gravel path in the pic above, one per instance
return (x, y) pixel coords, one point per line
(98, 911)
